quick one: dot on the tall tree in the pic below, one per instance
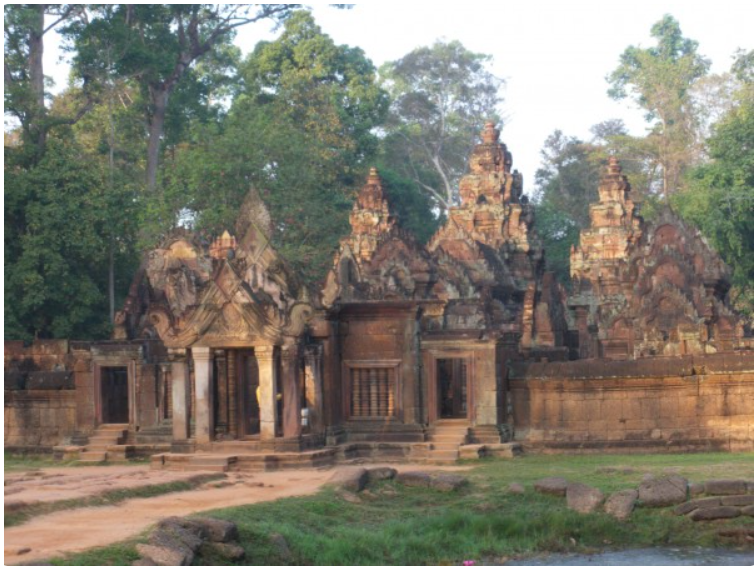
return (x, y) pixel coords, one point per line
(720, 196)
(158, 44)
(300, 131)
(659, 79)
(25, 27)
(442, 95)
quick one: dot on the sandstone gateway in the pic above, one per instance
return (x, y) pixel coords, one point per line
(222, 358)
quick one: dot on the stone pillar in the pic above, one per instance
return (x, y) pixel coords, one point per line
(221, 421)
(291, 391)
(164, 393)
(266, 361)
(203, 419)
(179, 373)
(313, 386)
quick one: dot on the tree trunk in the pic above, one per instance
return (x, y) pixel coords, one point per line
(37, 77)
(156, 125)
(111, 282)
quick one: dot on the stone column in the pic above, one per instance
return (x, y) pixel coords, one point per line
(163, 405)
(313, 386)
(266, 362)
(221, 421)
(179, 373)
(291, 392)
(203, 419)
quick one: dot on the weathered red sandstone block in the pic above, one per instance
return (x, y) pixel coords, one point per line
(554, 485)
(659, 492)
(725, 487)
(714, 513)
(621, 504)
(582, 498)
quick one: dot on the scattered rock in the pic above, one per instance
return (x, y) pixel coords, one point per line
(219, 530)
(725, 487)
(516, 488)
(413, 478)
(163, 556)
(687, 507)
(351, 497)
(621, 504)
(742, 500)
(388, 491)
(554, 485)
(747, 511)
(447, 482)
(696, 489)
(714, 513)
(738, 533)
(17, 551)
(666, 491)
(230, 551)
(582, 498)
(353, 480)
(380, 473)
(281, 547)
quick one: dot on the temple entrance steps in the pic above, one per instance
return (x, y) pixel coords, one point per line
(105, 436)
(158, 434)
(445, 437)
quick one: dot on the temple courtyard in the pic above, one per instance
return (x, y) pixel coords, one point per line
(503, 510)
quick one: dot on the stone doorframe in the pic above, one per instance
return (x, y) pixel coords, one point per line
(430, 363)
(130, 366)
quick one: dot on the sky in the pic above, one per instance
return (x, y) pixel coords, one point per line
(554, 56)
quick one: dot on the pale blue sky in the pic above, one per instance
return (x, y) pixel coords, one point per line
(554, 55)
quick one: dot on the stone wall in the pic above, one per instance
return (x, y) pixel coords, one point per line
(36, 420)
(659, 404)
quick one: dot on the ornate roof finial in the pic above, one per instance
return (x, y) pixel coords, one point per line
(490, 133)
(613, 165)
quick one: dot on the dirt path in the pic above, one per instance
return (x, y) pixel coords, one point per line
(77, 530)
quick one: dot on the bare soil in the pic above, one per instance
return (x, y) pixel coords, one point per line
(75, 530)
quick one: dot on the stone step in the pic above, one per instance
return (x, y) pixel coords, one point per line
(443, 454)
(101, 440)
(101, 447)
(93, 456)
(446, 438)
(113, 427)
(206, 467)
(444, 446)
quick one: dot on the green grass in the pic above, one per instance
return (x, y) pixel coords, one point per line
(14, 462)
(398, 525)
(108, 498)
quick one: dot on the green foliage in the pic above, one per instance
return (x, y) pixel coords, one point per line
(441, 97)
(720, 196)
(566, 183)
(659, 79)
(300, 132)
(59, 220)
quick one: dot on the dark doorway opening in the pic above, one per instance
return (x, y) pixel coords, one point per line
(452, 388)
(114, 393)
(249, 382)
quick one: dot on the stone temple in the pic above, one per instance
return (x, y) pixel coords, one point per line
(466, 346)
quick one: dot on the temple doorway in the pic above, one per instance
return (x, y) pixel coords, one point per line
(249, 407)
(452, 388)
(114, 394)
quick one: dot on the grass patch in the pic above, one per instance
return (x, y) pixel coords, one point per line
(15, 462)
(109, 498)
(398, 525)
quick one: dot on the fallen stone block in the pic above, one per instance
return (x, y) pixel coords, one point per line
(696, 489)
(582, 498)
(281, 547)
(725, 487)
(472, 451)
(666, 491)
(219, 530)
(747, 510)
(413, 478)
(687, 507)
(503, 450)
(516, 488)
(620, 504)
(162, 556)
(554, 485)
(229, 551)
(353, 480)
(714, 513)
(447, 482)
(380, 473)
(741, 500)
